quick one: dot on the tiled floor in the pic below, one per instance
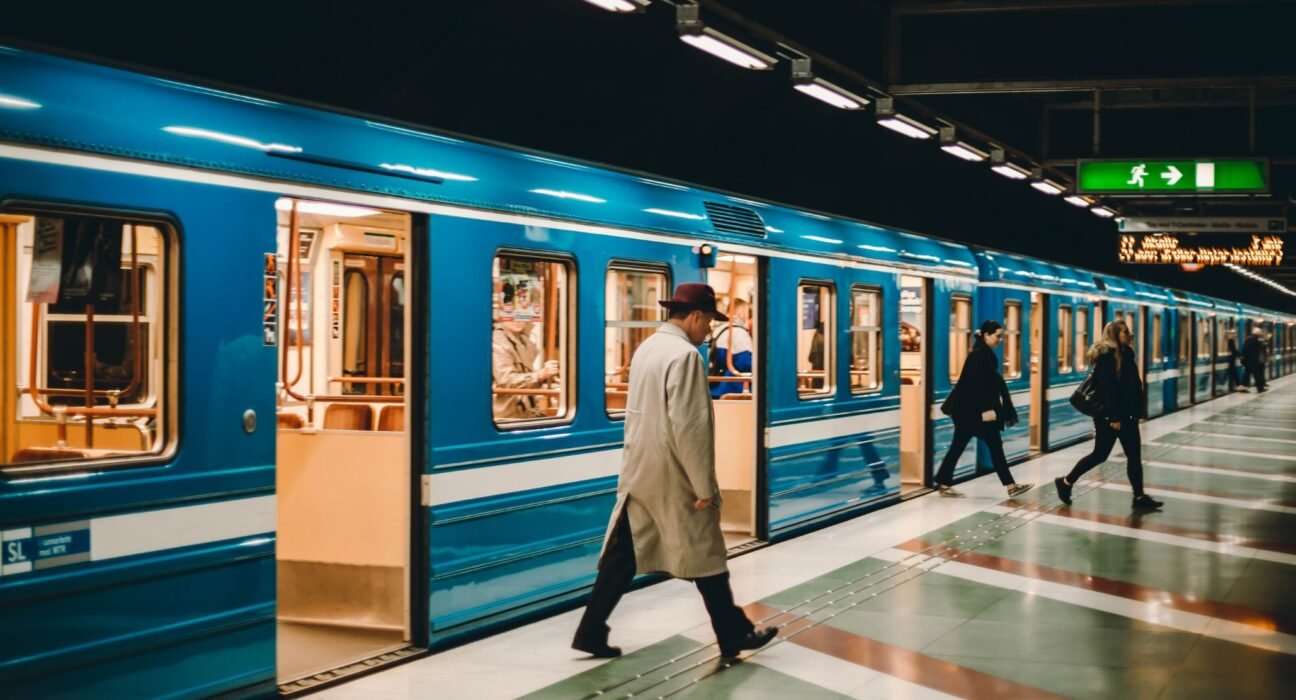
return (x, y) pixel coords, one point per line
(980, 597)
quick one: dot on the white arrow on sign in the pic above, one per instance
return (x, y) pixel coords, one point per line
(1173, 175)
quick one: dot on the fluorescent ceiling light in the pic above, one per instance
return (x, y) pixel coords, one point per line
(821, 239)
(960, 149)
(325, 208)
(1077, 200)
(231, 139)
(1104, 212)
(569, 195)
(825, 91)
(676, 214)
(1011, 170)
(1047, 186)
(620, 5)
(11, 102)
(887, 116)
(427, 172)
(729, 49)
(740, 259)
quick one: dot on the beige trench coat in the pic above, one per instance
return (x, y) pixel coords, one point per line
(669, 461)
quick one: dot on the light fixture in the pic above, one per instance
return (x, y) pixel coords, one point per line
(620, 5)
(569, 195)
(999, 163)
(893, 120)
(1104, 212)
(676, 214)
(11, 102)
(1078, 200)
(1043, 184)
(346, 211)
(804, 80)
(694, 33)
(232, 139)
(427, 172)
(959, 149)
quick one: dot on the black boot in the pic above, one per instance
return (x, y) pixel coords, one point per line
(1063, 489)
(1146, 502)
(754, 639)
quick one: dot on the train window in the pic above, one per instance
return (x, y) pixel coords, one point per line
(1203, 337)
(1082, 338)
(1155, 340)
(960, 333)
(530, 312)
(1012, 339)
(814, 340)
(632, 315)
(396, 319)
(355, 323)
(1185, 337)
(866, 340)
(1064, 339)
(89, 325)
(1221, 337)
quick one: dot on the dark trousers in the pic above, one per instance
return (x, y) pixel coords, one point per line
(1256, 371)
(989, 434)
(1232, 377)
(617, 570)
(1104, 441)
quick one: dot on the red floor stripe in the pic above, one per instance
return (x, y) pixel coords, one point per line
(901, 663)
(1144, 523)
(1123, 589)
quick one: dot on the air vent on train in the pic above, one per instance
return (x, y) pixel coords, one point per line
(727, 218)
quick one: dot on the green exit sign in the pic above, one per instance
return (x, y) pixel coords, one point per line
(1173, 176)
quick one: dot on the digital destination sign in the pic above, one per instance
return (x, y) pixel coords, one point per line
(1177, 249)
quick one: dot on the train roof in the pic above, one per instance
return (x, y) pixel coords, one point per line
(74, 105)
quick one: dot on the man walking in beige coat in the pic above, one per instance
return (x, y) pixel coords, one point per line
(667, 513)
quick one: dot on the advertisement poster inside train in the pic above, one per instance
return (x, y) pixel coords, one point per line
(519, 291)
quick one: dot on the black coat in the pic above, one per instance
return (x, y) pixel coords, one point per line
(1120, 392)
(980, 388)
(1252, 352)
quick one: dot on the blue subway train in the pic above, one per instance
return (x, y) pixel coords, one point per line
(291, 395)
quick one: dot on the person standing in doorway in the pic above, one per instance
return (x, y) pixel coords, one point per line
(1233, 356)
(1120, 393)
(732, 346)
(981, 406)
(667, 513)
(1253, 358)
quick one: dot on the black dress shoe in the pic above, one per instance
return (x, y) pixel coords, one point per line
(1063, 489)
(754, 639)
(1146, 502)
(599, 651)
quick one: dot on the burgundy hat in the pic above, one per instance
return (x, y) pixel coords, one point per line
(693, 295)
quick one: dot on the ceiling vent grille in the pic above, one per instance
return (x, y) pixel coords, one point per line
(727, 218)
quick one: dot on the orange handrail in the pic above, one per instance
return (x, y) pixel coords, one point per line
(526, 392)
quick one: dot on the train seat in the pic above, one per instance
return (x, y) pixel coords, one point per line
(392, 419)
(289, 421)
(348, 416)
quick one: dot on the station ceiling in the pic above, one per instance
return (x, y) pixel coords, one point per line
(1169, 79)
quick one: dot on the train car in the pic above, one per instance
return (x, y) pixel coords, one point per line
(1050, 312)
(299, 394)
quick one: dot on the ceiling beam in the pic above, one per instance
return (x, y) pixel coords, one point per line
(971, 87)
(912, 8)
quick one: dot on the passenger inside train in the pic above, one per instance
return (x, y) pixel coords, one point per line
(527, 339)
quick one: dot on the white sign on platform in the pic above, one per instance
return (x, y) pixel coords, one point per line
(1201, 224)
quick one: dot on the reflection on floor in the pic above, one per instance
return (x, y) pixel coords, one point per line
(305, 649)
(975, 597)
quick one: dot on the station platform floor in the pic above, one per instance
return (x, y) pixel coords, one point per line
(977, 597)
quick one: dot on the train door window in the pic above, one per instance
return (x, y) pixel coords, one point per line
(88, 330)
(1203, 337)
(1012, 339)
(632, 315)
(866, 340)
(1157, 354)
(960, 333)
(355, 321)
(1082, 338)
(1064, 331)
(814, 340)
(1185, 338)
(531, 306)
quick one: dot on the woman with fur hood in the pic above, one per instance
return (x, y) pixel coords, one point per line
(1120, 394)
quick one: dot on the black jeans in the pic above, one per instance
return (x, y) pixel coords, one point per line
(1104, 441)
(617, 570)
(989, 434)
(1258, 372)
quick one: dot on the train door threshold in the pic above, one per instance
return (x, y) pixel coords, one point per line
(351, 670)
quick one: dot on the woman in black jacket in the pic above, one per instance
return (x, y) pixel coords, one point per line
(1120, 393)
(980, 406)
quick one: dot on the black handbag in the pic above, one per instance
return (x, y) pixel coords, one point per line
(1085, 398)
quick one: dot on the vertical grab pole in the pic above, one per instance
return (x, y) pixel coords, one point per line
(89, 373)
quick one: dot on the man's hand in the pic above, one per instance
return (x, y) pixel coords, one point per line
(1115, 424)
(702, 503)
